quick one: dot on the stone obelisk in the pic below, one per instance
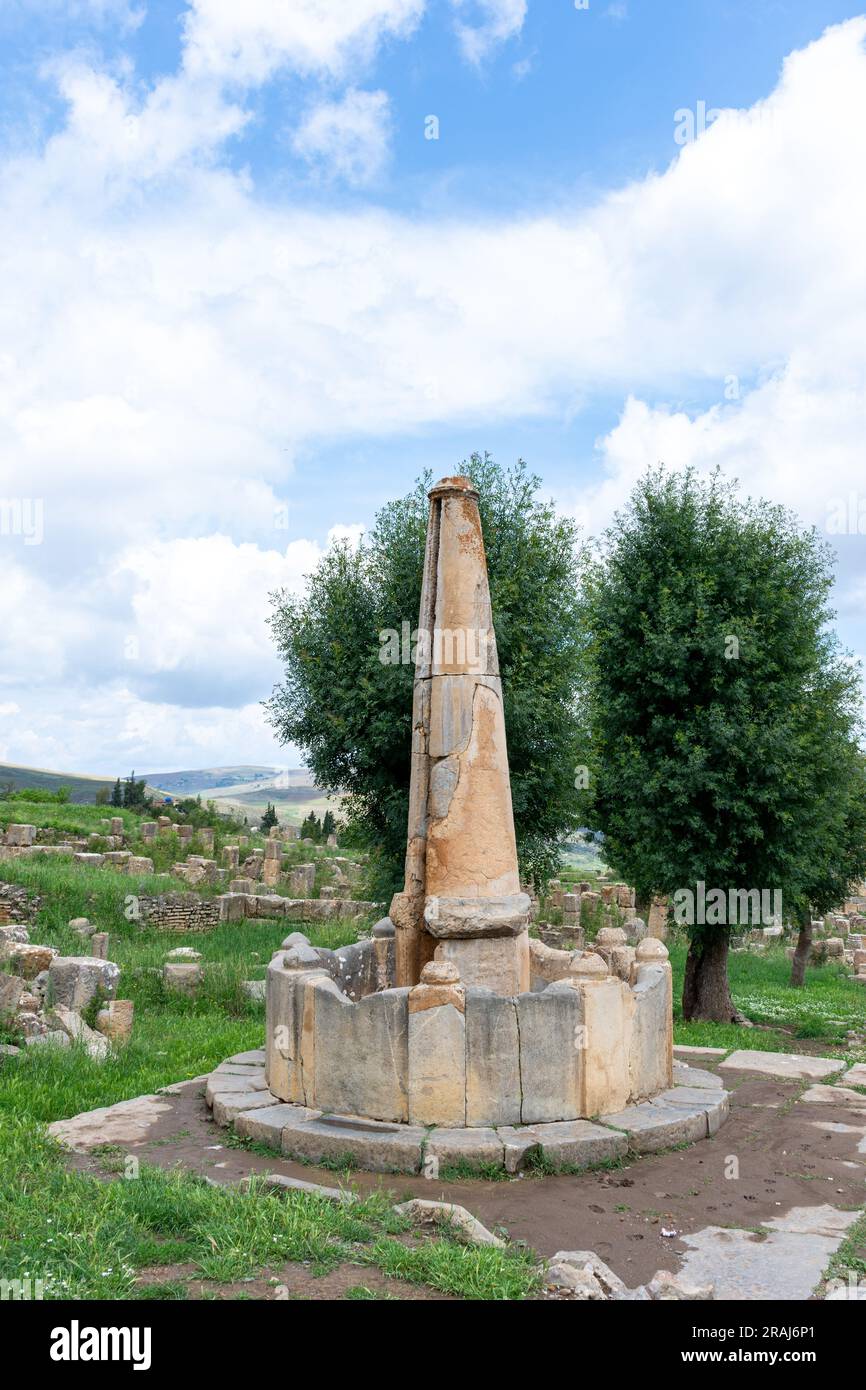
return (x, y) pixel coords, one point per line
(462, 900)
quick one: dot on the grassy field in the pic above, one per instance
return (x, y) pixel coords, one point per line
(81, 787)
(91, 1238)
(87, 1238)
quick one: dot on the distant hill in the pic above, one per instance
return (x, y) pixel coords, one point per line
(82, 789)
(245, 789)
(221, 783)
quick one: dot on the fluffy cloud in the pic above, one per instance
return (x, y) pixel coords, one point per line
(249, 42)
(347, 139)
(499, 20)
(169, 338)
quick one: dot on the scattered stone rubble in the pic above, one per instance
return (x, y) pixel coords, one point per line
(580, 1276)
(44, 996)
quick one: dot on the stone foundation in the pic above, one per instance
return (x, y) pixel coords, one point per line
(591, 1039)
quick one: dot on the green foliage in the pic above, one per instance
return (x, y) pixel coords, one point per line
(311, 828)
(721, 714)
(351, 714)
(37, 795)
(329, 824)
(270, 817)
(134, 792)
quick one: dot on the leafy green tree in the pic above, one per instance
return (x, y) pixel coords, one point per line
(351, 713)
(270, 817)
(117, 794)
(134, 792)
(719, 709)
(835, 858)
(329, 825)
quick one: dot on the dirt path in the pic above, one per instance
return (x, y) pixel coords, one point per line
(774, 1156)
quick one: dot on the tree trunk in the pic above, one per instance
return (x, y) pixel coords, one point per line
(803, 951)
(706, 992)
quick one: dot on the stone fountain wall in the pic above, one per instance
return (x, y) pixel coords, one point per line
(589, 1043)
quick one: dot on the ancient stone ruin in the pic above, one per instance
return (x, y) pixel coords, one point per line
(451, 1035)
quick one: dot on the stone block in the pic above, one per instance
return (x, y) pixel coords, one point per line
(265, 1125)
(271, 869)
(115, 1021)
(492, 1059)
(11, 989)
(606, 1010)
(650, 1049)
(575, 1143)
(21, 835)
(367, 1143)
(436, 1064)
(498, 963)
(29, 961)
(714, 1104)
(450, 1147)
(229, 1105)
(182, 979)
(551, 1054)
(75, 981)
(356, 1054)
(652, 1127)
(139, 864)
(99, 945)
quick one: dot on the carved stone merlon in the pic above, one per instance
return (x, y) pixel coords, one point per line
(462, 888)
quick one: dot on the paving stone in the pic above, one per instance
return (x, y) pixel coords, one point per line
(684, 1075)
(651, 1127)
(315, 1189)
(789, 1066)
(372, 1144)
(474, 1146)
(254, 1058)
(421, 1210)
(128, 1122)
(227, 1105)
(823, 1220)
(833, 1095)
(577, 1143)
(783, 1265)
(266, 1124)
(856, 1075)
(714, 1104)
(223, 1082)
(687, 1053)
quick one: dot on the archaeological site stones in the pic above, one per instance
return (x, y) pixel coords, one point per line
(450, 1035)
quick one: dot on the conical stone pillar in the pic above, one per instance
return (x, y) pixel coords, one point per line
(462, 900)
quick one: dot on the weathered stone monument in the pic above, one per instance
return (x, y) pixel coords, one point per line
(451, 1035)
(462, 900)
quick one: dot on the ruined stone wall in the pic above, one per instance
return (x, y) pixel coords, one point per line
(17, 905)
(180, 912)
(439, 1054)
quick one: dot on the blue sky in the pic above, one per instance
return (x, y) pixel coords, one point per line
(242, 285)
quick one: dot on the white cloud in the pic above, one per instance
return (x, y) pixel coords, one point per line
(124, 12)
(500, 20)
(248, 42)
(168, 339)
(347, 139)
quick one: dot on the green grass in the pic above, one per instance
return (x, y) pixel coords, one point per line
(85, 1238)
(89, 1238)
(824, 1010)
